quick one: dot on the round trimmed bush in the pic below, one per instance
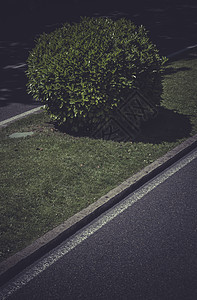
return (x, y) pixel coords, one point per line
(80, 72)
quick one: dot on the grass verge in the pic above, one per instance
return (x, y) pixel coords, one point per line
(49, 176)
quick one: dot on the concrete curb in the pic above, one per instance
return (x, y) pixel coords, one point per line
(16, 263)
(20, 116)
(181, 51)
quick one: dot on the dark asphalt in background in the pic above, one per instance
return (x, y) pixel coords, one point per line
(147, 252)
(172, 26)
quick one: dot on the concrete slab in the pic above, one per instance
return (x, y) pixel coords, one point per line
(20, 134)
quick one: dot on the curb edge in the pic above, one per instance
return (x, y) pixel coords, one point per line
(19, 261)
(7, 122)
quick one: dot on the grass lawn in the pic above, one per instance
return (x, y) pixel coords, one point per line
(49, 176)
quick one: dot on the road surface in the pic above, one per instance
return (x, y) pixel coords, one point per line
(143, 248)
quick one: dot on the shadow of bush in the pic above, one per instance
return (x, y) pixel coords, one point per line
(171, 70)
(168, 126)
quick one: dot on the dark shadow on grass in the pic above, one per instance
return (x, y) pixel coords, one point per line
(168, 126)
(172, 70)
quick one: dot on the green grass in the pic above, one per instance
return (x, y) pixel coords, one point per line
(49, 176)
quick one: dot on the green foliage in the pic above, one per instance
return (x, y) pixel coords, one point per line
(82, 71)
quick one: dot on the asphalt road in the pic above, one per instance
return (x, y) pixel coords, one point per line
(143, 248)
(171, 27)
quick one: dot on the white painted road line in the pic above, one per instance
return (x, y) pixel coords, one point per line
(16, 66)
(20, 115)
(182, 51)
(31, 272)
